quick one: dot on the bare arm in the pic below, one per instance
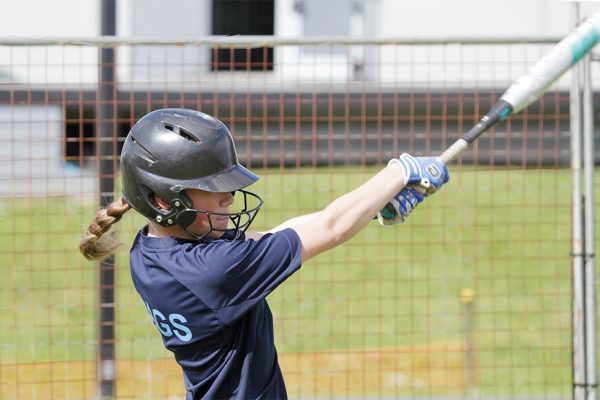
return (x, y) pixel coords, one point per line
(350, 213)
(293, 222)
(290, 223)
(345, 216)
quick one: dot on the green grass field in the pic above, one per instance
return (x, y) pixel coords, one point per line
(503, 233)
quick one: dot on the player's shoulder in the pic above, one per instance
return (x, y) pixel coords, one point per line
(287, 233)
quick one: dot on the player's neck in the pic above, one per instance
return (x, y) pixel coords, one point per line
(155, 230)
(158, 231)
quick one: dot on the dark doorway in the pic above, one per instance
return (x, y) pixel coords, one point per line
(243, 17)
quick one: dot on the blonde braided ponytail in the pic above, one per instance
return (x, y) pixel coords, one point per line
(99, 240)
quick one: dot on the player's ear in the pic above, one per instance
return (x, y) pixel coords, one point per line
(163, 205)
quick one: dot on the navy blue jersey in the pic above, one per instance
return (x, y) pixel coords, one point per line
(207, 299)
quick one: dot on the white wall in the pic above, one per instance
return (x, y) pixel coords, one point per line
(479, 18)
(385, 18)
(32, 154)
(50, 18)
(396, 17)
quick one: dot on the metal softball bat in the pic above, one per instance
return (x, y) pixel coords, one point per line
(528, 88)
(532, 85)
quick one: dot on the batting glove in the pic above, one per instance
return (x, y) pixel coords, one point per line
(399, 208)
(426, 174)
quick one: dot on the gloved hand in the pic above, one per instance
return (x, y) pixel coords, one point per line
(398, 209)
(423, 176)
(426, 174)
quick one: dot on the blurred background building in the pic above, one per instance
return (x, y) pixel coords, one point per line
(418, 50)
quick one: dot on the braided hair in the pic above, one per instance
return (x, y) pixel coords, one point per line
(99, 240)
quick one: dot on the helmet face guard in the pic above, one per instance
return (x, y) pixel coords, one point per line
(240, 220)
(170, 150)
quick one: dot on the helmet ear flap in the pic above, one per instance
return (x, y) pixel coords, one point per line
(185, 218)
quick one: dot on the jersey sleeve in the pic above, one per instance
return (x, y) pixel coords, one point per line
(233, 276)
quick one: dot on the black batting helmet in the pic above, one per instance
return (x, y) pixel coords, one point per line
(170, 150)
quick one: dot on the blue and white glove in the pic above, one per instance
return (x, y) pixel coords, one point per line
(399, 208)
(423, 176)
(427, 174)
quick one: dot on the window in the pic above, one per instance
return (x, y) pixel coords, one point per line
(243, 17)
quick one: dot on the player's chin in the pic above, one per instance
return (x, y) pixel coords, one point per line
(220, 222)
(217, 232)
(219, 226)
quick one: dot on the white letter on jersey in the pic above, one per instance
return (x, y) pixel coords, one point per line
(181, 331)
(165, 329)
(175, 321)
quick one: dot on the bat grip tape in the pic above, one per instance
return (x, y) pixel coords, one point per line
(497, 113)
(452, 152)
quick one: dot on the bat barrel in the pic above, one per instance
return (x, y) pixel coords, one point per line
(531, 86)
(563, 56)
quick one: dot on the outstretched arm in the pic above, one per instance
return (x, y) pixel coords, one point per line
(345, 216)
(350, 213)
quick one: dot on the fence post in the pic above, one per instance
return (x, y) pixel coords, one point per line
(589, 271)
(106, 141)
(467, 299)
(582, 247)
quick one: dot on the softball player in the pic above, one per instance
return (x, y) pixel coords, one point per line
(202, 275)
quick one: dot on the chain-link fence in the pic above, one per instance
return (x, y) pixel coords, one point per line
(470, 297)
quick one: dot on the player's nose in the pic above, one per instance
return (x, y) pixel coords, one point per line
(226, 199)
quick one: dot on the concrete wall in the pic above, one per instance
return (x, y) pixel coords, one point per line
(31, 154)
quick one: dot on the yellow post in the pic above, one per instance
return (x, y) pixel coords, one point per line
(467, 298)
